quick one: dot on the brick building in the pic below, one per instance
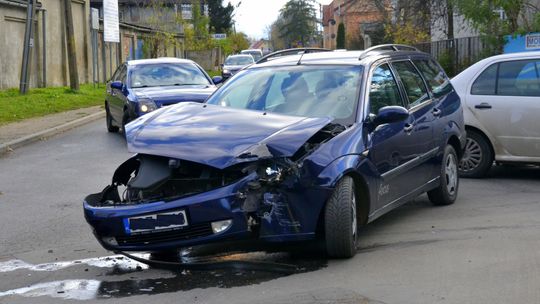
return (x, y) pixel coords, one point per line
(363, 21)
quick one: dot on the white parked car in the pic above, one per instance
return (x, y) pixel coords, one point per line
(501, 97)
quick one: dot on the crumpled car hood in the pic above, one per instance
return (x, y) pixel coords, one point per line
(219, 136)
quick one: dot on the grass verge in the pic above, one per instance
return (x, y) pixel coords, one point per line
(214, 73)
(39, 102)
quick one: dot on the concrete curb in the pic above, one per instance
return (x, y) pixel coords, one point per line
(17, 143)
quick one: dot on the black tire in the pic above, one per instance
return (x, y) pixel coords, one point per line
(477, 157)
(108, 120)
(447, 191)
(340, 220)
(125, 120)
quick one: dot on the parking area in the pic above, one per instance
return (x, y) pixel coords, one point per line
(483, 249)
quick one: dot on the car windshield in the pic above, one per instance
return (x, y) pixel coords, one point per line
(167, 74)
(256, 55)
(239, 60)
(301, 90)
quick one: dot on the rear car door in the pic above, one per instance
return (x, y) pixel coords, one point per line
(390, 144)
(440, 89)
(420, 146)
(505, 99)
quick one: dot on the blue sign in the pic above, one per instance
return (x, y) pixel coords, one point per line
(219, 36)
(529, 42)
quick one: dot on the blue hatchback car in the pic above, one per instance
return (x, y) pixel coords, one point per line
(301, 147)
(138, 87)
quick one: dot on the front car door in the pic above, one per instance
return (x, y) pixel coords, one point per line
(117, 96)
(392, 146)
(505, 99)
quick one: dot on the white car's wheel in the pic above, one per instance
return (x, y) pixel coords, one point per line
(477, 156)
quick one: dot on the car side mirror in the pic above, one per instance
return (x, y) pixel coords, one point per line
(390, 114)
(217, 79)
(117, 85)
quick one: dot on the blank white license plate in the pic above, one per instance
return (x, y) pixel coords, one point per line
(158, 222)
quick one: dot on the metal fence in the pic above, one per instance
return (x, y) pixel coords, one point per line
(456, 54)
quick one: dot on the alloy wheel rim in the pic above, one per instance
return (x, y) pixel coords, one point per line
(451, 174)
(472, 156)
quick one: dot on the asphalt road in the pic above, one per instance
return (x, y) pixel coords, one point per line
(483, 249)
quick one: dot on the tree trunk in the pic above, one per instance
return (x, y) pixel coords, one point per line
(71, 49)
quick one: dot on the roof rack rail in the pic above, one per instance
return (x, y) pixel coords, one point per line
(388, 47)
(293, 51)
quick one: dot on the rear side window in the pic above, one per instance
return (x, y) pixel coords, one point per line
(519, 78)
(435, 77)
(383, 89)
(413, 83)
(485, 83)
(511, 78)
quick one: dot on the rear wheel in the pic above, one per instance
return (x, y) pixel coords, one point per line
(477, 156)
(340, 220)
(108, 119)
(446, 192)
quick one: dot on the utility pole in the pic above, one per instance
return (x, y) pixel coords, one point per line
(28, 45)
(71, 50)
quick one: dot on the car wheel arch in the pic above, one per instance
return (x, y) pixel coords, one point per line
(362, 195)
(456, 144)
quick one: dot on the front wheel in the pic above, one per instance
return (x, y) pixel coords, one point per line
(446, 192)
(340, 220)
(125, 120)
(108, 119)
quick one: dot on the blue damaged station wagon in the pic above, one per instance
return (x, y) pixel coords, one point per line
(303, 147)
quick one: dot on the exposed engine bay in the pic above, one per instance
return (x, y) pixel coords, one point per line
(147, 178)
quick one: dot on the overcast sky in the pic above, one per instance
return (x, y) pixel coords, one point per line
(253, 16)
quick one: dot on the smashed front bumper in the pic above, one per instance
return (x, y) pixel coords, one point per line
(112, 224)
(243, 209)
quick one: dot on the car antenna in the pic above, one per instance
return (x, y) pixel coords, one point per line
(300, 59)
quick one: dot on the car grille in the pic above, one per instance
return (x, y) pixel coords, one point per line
(193, 231)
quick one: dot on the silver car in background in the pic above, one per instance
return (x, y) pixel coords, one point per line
(501, 96)
(235, 63)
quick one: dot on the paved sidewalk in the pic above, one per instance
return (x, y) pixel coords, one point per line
(18, 134)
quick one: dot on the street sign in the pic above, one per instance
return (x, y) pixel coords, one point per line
(219, 36)
(532, 41)
(95, 18)
(110, 21)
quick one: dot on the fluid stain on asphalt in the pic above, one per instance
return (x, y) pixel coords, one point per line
(181, 280)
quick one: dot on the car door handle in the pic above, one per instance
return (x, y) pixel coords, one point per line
(408, 128)
(483, 105)
(436, 112)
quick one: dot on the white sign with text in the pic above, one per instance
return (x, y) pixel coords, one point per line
(110, 21)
